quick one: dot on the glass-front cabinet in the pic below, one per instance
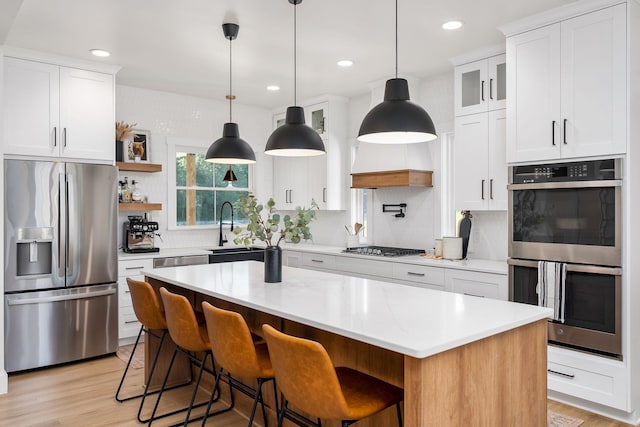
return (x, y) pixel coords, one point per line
(481, 86)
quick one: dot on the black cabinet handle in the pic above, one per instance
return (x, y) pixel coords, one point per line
(482, 91)
(324, 194)
(411, 273)
(490, 88)
(562, 374)
(482, 189)
(55, 136)
(64, 139)
(491, 188)
(553, 132)
(564, 131)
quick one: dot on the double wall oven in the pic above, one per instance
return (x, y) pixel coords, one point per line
(571, 213)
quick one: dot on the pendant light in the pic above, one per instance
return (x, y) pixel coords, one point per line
(230, 177)
(230, 149)
(396, 120)
(294, 138)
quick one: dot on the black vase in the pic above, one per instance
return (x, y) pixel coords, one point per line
(273, 264)
(119, 151)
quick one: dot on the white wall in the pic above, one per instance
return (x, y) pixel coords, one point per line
(3, 373)
(167, 114)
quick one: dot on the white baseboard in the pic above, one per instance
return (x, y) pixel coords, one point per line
(4, 382)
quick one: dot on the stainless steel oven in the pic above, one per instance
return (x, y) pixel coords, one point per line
(571, 213)
(593, 305)
(567, 212)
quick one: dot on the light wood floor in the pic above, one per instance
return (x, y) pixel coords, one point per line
(82, 394)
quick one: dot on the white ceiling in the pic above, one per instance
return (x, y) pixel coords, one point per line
(178, 46)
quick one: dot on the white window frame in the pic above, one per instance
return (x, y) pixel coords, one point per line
(357, 202)
(189, 145)
(447, 210)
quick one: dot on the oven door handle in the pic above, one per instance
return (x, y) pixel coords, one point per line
(571, 184)
(578, 268)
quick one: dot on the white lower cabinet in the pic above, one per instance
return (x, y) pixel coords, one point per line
(292, 258)
(128, 325)
(318, 261)
(486, 285)
(588, 377)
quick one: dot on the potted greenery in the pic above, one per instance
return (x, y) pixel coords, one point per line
(270, 227)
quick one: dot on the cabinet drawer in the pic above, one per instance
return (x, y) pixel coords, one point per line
(318, 261)
(128, 325)
(132, 267)
(124, 295)
(477, 284)
(365, 267)
(419, 274)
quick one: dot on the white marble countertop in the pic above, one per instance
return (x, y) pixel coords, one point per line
(413, 321)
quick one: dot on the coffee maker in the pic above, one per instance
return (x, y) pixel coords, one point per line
(139, 234)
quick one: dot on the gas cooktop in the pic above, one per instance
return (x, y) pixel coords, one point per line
(382, 251)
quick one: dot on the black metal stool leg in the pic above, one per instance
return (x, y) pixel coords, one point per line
(195, 388)
(126, 369)
(164, 384)
(281, 414)
(399, 410)
(151, 372)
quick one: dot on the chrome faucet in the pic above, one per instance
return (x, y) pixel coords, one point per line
(221, 240)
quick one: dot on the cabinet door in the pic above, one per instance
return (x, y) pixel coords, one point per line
(87, 114)
(471, 144)
(497, 67)
(317, 170)
(31, 108)
(290, 178)
(292, 258)
(533, 85)
(471, 88)
(594, 89)
(316, 117)
(498, 160)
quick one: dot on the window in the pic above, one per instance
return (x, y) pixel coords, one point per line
(197, 190)
(361, 203)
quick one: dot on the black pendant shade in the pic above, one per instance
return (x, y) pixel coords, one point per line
(294, 138)
(229, 176)
(230, 149)
(397, 120)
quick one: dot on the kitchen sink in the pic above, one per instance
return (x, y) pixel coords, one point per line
(236, 254)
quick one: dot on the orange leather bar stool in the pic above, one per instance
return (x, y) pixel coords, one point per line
(190, 338)
(147, 308)
(238, 356)
(307, 378)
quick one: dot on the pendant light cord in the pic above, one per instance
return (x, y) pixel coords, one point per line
(396, 39)
(295, 59)
(230, 83)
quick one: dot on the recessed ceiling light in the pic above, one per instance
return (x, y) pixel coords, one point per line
(273, 88)
(100, 52)
(452, 25)
(345, 63)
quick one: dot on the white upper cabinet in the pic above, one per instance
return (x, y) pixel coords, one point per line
(567, 88)
(56, 111)
(298, 180)
(480, 86)
(480, 168)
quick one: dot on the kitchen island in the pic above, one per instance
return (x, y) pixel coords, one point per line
(462, 360)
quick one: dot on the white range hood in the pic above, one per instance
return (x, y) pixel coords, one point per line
(391, 165)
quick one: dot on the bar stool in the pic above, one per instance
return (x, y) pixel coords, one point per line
(238, 355)
(190, 338)
(307, 378)
(147, 308)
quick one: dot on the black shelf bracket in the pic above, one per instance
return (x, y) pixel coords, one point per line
(399, 209)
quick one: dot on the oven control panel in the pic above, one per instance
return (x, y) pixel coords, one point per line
(592, 170)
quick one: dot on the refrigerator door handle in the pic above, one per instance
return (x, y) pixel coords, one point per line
(11, 301)
(62, 225)
(69, 255)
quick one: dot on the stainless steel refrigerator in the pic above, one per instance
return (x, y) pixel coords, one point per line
(60, 264)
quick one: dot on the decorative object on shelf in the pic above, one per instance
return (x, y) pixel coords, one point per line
(269, 230)
(124, 132)
(396, 120)
(294, 138)
(399, 211)
(138, 147)
(230, 149)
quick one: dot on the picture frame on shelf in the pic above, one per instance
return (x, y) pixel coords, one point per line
(138, 147)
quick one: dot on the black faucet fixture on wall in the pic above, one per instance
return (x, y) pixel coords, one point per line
(221, 240)
(399, 209)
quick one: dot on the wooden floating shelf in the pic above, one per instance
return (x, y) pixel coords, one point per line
(396, 178)
(139, 167)
(139, 206)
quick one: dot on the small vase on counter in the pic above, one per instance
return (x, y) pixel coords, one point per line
(273, 264)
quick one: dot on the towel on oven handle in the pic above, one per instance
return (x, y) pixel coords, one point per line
(551, 287)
